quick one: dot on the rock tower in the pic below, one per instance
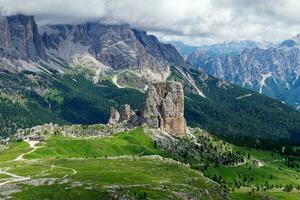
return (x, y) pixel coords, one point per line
(164, 108)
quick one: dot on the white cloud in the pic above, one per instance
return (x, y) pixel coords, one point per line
(193, 21)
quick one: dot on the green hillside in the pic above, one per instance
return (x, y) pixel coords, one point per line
(225, 111)
(107, 168)
(68, 99)
(132, 143)
(130, 164)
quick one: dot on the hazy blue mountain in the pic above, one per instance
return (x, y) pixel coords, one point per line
(183, 48)
(233, 47)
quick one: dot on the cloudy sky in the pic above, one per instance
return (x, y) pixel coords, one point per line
(191, 21)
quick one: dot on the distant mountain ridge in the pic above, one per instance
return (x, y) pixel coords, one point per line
(224, 48)
(271, 71)
(183, 48)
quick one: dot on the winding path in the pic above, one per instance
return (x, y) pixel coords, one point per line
(65, 176)
(16, 178)
(32, 145)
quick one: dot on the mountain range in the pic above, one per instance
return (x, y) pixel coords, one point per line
(75, 73)
(272, 71)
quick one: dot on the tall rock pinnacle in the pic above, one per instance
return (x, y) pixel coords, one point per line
(164, 108)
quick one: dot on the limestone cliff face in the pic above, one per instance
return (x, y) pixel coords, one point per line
(164, 108)
(19, 38)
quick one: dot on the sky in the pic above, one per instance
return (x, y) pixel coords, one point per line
(194, 22)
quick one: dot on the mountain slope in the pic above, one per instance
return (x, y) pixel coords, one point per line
(90, 67)
(240, 115)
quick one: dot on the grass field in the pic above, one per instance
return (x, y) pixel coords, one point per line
(134, 142)
(276, 173)
(13, 151)
(246, 195)
(155, 177)
(126, 164)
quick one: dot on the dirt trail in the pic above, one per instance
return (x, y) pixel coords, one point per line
(32, 145)
(14, 178)
(51, 167)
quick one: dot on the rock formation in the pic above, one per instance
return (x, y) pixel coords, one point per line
(114, 116)
(164, 108)
(124, 115)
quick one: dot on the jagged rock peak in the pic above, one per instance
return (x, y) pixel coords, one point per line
(164, 108)
(19, 38)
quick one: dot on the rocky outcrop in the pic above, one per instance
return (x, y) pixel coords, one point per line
(115, 45)
(114, 116)
(125, 115)
(19, 38)
(158, 49)
(75, 130)
(164, 108)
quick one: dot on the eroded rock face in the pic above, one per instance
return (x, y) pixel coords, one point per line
(164, 108)
(19, 38)
(114, 116)
(126, 113)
